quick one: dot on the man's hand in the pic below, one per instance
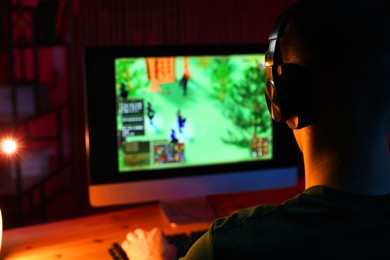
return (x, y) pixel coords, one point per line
(148, 245)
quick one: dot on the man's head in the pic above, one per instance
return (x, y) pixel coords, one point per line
(343, 48)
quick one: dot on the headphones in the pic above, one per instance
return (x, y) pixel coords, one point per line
(286, 82)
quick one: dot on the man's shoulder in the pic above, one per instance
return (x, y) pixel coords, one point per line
(323, 218)
(260, 213)
(248, 232)
(238, 218)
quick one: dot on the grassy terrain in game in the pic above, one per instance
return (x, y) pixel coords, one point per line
(188, 111)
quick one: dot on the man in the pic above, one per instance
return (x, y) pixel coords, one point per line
(334, 69)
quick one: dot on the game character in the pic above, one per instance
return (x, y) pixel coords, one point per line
(184, 81)
(180, 120)
(124, 93)
(150, 113)
(173, 137)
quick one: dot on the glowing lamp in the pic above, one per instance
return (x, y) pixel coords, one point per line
(8, 146)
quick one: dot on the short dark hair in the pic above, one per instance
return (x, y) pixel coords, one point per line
(346, 42)
(330, 31)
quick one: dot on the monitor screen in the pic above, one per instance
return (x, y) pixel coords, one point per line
(166, 116)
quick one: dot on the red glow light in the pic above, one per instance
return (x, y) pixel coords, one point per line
(8, 146)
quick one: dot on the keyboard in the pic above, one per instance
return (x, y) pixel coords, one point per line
(182, 241)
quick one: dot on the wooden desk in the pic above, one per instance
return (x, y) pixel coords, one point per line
(89, 238)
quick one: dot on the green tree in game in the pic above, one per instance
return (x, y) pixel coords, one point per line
(220, 77)
(133, 80)
(246, 107)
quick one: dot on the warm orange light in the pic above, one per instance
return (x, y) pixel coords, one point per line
(8, 146)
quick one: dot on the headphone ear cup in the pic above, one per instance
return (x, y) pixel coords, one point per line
(277, 101)
(286, 95)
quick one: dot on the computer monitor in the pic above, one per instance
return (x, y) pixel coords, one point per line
(174, 122)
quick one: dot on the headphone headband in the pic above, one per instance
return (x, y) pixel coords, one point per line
(283, 80)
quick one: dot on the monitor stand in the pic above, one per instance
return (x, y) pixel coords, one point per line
(190, 210)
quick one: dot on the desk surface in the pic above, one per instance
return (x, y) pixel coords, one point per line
(90, 237)
(87, 237)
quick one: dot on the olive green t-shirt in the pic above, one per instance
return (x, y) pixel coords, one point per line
(320, 223)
